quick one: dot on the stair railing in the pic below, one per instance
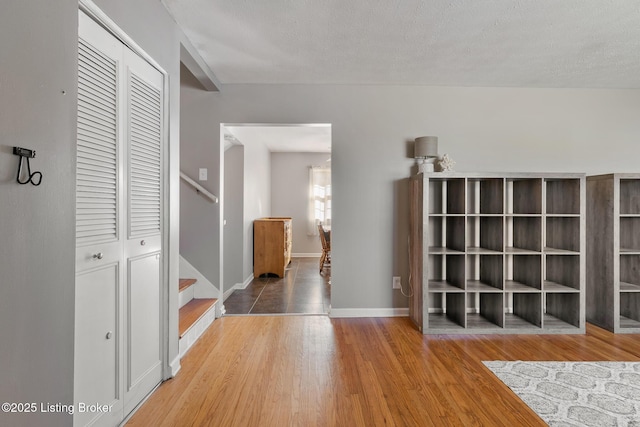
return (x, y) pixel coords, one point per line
(199, 188)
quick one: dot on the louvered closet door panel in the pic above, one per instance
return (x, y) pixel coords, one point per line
(144, 136)
(144, 157)
(97, 150)
(100, 135)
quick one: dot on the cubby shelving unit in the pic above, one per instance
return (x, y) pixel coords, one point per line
(613, 252)
(500, 253)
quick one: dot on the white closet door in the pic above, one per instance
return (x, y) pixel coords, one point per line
(100, 269)
(142, 245)
(118, 210)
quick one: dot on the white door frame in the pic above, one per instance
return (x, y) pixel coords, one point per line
(93, 11)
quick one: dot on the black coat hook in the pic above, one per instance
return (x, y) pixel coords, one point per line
(33, 178)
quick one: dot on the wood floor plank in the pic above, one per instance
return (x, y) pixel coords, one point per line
(317, 371)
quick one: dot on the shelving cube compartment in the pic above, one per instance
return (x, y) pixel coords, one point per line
(484, 234)
(445, 291)
(525, 310)
(523, 272)
(613, 252)
(485, 210)
(562, 286)
(629, 234)
(564, 196)
(562, 311)
(562, 273)
(448, 311)
(524, 196)
(446, 196)
(484, 272)
(523, 234)
(485, 288)
(443, 234)
(485, 196)
(523, 290)
(488, 313)
(563, 235)
(446, 273)
(630, 291)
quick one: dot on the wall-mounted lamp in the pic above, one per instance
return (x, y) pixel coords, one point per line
(426, 152)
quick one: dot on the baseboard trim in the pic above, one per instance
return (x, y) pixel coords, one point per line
(244, 284)
(305, 255)
(368, 312)
(238, 286)
(228, 293)
(175, 367)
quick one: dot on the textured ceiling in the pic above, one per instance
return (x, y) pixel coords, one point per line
(528, 43)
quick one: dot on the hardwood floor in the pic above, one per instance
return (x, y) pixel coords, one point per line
(318, 371)
(302, 290)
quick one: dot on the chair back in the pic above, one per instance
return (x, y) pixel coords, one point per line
(326, 243)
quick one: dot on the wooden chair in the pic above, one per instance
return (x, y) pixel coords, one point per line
(325, 258)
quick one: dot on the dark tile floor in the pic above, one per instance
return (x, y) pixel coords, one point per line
(303, 290)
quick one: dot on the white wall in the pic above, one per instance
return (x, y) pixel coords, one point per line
(257, 195)
(290, 194)
(483, 129)
(37, 226)
(199, 237)
(234, 215)
(38, 53)
(200, 147)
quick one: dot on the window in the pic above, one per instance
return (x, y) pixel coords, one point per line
(319, 198)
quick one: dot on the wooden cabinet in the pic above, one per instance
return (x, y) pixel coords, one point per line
(271, 245)
(497, 253)
(613, 252)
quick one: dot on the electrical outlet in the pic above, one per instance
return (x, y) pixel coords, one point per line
(397, 282)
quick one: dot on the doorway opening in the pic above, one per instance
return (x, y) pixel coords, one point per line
(266, 171)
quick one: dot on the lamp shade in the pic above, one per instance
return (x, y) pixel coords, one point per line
(426, 146)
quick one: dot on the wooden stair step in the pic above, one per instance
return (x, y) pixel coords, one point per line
(185, 283)
(192, 312)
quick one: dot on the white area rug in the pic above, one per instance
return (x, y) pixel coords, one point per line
(576, 393)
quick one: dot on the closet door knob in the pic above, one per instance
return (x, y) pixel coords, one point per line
(109, 335)
(99, 255)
